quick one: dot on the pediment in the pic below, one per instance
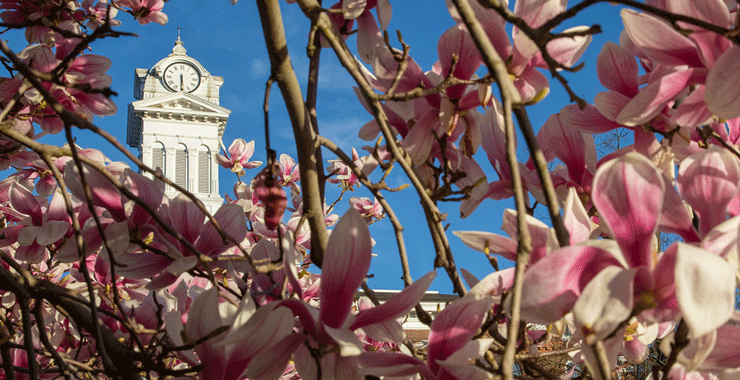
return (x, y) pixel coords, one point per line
(180, 103)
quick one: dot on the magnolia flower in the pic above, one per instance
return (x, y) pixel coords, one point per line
(343, 174)
(332, 328)
(604, 284)
(146, 11)
(369, 210)
(240, 152)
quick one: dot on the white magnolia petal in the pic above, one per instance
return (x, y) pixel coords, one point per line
(705, 289)
(349, 343)
(606, 301)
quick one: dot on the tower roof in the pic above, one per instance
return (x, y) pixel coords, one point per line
(178, 49)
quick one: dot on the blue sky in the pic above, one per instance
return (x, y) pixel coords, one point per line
(227, 40)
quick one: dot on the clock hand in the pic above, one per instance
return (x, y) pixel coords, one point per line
(181, 82)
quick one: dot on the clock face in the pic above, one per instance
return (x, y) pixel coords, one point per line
(181, 76)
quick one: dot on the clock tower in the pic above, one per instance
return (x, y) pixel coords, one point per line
(176, 123)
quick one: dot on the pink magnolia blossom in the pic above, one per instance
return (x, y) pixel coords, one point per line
(674, 63)
(99, 13)
(628, 193)
(331, 328)
(250, 331)
(368, 210)
(40, 228)
(146, 11)
(343, 174)
(522, 56)
(492, 137)
(240, 152)
(169, 258)
(451, 346)
(289, 173)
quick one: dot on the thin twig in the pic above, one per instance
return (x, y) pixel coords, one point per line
(553, 206)
(305, 136)
(509, 95)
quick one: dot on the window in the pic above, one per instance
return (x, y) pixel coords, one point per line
(181, 166)
(159, 157)
(204, 169)
(159, 161)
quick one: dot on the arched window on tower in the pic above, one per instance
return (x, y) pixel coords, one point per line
(204, 169)
(181, 166)
(159, 158)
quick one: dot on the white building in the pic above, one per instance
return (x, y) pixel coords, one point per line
(176, 123)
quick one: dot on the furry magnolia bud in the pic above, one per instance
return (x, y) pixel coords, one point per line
(272, 196)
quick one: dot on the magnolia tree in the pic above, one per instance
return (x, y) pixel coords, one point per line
(102, 275)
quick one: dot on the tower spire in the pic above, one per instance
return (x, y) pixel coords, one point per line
(178, 49)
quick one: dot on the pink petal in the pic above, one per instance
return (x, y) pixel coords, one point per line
(387, 331)
(554, 283)
(453, 327)
(394, 364)
(651, 99)
(204, 316)
(397, 306)
(289, 259)
(105, 194)
(458, 367)
(677, 218)
(708, 181)
(725, 354)
(270, 363)
(659, 41)
(345, 265)
(693, 112)
(494, 284)
(722, 93)
(497, 190)
(488, 242)
(384, 10)
(628, 192)
(305, 313)
(349, 344)
(610, 104)
(51, 232)
(711, 11)
(617, 69)
(98, 104)
(24, 202)
(231, 219)
(711, 45)
(492, 23)
(543, 238)
(590, 119)
(569, 50)
(369, 37)
(565, 142)
(533, 86)
(457, 41)
(576, 219)
(418, 143)
(492, 139)
(186, 217)
(537, 12)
